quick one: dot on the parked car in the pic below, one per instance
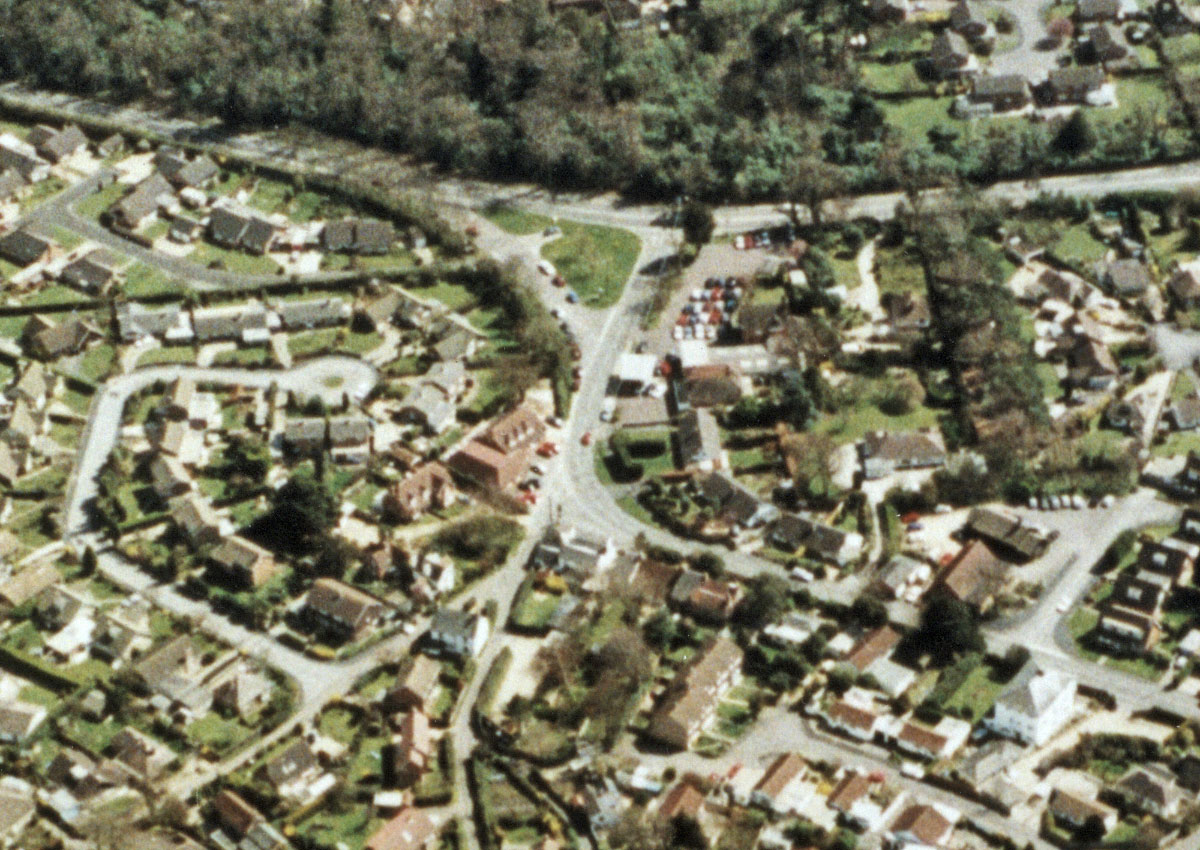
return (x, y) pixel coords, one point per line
(545, 268)
(586, 439)
(572, 298)
(559, 281)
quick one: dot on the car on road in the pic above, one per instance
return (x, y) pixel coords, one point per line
(547, 449)
(572, 298)
(537, 468)
(559, 281)
(1063, 605)
(586, 439)
(545, 267)
(800, 574)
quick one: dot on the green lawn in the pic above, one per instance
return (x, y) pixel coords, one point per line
(535, 611)
(455, 296)
(1077, 243)
(977, 693)
(93, 205)
(1048, 376)
(54, 293)
(596, 261)
(217, 733)
(915, 117)
(849, 426)
(145, 281)
(516, 221)
(1177, 443)
(898, 270)
(68, 239)
(168, 354)
(310, 342)
(242, 262)
(360, 343)
(96, 362)
(1183, 386)
(892, 78)
(256, 356)
(270, 196)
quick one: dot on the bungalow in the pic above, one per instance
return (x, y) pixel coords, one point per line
(358, 236)
(140, 205)
(195, 174)
(459, 633)
(735, 504)
(23, 160)
(23, 247)
(1009, 532)
(247, 323)
(700, 441)
(168, 477)
(712, 385)
(416, 686)
(793, 533)
(922, 825)
(1073, 812)
(428, 487)
(1105, 44)
(235, 814)
(950, 56)
(457, 345)
(242, 691)
(1184, 415)
(873, 646)
(27, 583)
(1079, 85)
(340, 610)
(886, 452)
(145, 758)
(48, 341)
(1097, 10)
(975, 576)
(705, 598)
(350, 439)
(93, 272)
(413, 750)
(1184, 286)
(1126, 278)
(782, 790)
(855, 721)
(691, 701)
(1001, 92)
(428, 407)
(1091, 365)
(314, 313)
(136, 321)
(968, 20)
(175, 672)
(232, 225)
(56, 145)
(1034, 706)
(245, 562)
(304, 436)
(293, 771)
(410, 829)
(1150, 789)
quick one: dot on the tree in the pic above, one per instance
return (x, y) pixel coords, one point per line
(247, 455)
(1060, 29)
(709, 562)
(767, 599)
(869, 611)
(811, 182)
(302, 512)
(810, 455)
(661, 629)
(87, 564)
(1077, 135)
(697, 221)
(948, 629)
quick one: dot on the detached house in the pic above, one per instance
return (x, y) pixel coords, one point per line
(700, 440)
(95, 272)
(1091, 365)
(1150, 789)
(1034, 706)
(416, 686)
(499, 457)
(782, 789)
(1001, 92)
(1079, 85)
(691, 702)
(23, 247)
(245, 562)
(1008, 531)
(1184, 286)
(232, 225)
(142, 204)
(921, 825)
(350, 439)
(342, 610)
(886, 452)
(413, 751)
(974, 577)
(410, 829)
(1073, 812)
(950, 56)
(428, 487)
(459, 633)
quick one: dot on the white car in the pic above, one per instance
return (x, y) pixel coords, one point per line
(546, 268)
(1063, 605)
(677, 332)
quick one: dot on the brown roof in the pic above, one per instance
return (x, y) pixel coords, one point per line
(341, 601)
(28, 583)
(925, 823)
(873, 646)
(852, 715)
(922, 738)
(410, 829)
(1075, 809)
(683, 799)
(782, 771)
(847, 792)
(695, 686)
(235, 813)
(521, 426)
(973, 575)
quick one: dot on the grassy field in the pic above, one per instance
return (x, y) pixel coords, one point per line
(596, 261)
(892, 79)
(95, 363)
(1177, 443)
(897, 270)
(145, 281)
(168, 354)
(516, 221)
(915, 117)
(848, 426)
(977, 693)
(93, 205)
(235, 261)
(1077, 243)
(54, 294)
(455, 296)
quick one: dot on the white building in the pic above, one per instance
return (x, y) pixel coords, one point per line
(1034, 706)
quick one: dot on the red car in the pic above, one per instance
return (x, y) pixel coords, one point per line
(586, 439)
(547, 449)
(559, 281)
